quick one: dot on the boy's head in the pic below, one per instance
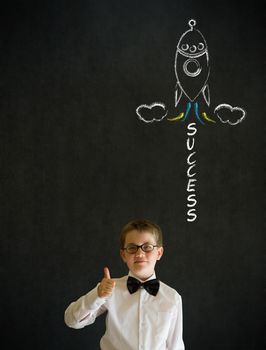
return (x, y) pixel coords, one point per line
(141, 246)
(142, 225)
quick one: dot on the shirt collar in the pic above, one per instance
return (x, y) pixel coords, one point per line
(150, 278)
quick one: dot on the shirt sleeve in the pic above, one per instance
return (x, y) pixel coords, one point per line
(84, 311)
(175, 336)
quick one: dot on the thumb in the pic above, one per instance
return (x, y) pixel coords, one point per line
(106, 273)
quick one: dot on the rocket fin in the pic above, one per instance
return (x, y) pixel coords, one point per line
(178, 94)
(206, 94)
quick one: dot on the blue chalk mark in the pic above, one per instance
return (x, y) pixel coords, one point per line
(187, 111)
(196, 108)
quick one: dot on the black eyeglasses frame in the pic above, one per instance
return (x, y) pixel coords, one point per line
(139, 246)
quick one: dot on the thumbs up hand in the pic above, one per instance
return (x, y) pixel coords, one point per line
(107, 285)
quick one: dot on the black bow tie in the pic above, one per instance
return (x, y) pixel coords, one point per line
(151, 286)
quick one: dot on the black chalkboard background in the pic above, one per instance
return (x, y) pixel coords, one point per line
(77, 164)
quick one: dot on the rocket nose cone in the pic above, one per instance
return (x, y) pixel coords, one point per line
(192, 42)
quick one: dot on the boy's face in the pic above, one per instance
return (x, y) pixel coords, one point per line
(141, 263)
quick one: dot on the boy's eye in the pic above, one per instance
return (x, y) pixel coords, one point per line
(145, 247)
(132, 248)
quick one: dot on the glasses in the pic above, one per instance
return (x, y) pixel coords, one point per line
(133, 248)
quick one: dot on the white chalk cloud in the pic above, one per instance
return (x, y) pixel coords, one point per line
(230, 115)
(154, 112)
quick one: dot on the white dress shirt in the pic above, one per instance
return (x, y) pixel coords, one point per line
(138, 321)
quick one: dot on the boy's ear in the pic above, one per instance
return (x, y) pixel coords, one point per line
(122, 254)
(160, 252)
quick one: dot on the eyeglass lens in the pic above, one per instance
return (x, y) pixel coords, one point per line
(144, 247)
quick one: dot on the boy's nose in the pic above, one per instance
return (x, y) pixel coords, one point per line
(139, 252)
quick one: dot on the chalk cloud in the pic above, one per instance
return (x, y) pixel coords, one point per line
(154, 112)
(228, 114)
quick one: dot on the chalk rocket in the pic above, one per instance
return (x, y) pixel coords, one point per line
(192, 65)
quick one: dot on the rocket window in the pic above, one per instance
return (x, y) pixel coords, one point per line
(201, 46)
(184, 47)
(193, 48)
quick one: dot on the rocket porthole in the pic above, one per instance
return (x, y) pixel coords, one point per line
(201, 46)
(193, 48)
(184, 47)
(192, 67)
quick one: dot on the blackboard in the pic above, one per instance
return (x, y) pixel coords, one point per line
(77, 164)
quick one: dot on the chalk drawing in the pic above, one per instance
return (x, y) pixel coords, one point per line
(153, 112)
(191, 162)
(192, 70)
(230, 115)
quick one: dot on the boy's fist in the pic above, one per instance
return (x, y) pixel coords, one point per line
(107, 285)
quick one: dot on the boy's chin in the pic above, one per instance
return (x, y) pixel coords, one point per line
(142, 273)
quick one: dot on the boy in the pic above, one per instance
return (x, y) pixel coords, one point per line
(142, 312)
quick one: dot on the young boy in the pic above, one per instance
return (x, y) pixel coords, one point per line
(142, 312)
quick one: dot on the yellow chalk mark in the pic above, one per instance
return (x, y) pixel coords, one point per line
(207, 118)
(174, 119)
